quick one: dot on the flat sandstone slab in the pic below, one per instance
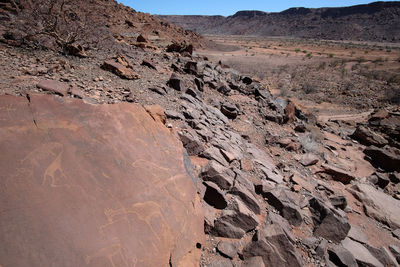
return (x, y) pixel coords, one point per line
(93, 185)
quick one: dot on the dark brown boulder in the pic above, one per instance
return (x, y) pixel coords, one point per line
(149, 64)
(272, 244)
(367, 137)
(387, 158)
(142, 38)
(93, 185)
(329, 223)
(175, 82)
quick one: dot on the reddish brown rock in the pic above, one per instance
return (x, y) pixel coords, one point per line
(149, 64)
(93, 185)
(156, 112)
(55, 87)
(290, 112)
(120, 70)
(338, 174)
(142, 38)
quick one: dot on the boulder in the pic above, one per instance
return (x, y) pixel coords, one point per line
(75, 50)
(230, 111)
(93, 185)
(272, 244)
(395, 251)
(213, 153)
(176, 83)
(328, 223)
(214, 196)
(142, 38)
(247, 197)
(361, 253)
(191, 142)
(383, 255)
(338, 174)
(149, 64)
(199, 84)
(341, 256)
(218, 174)
(339, 202)
(120, 70)
(308, 159)
(246, 80)
(240, 217)
(191, 67)
(358, 235)
(386, 158)
(227, 249)
(378, 205)
(286, 202)
(54, 87)
(369, 138)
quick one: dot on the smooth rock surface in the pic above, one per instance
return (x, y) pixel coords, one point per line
(93, 185)
(378, 205)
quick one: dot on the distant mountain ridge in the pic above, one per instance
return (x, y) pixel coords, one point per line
(378, 21)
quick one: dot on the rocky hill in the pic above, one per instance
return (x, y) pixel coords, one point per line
(141, 153)
(377, 21)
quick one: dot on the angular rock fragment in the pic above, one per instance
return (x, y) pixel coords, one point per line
(378, 205)
(387, 158)
(191, 67)
(220, 263)
(361, 253)
(142, 38)
(339, 202)
(214, 153)
(368, 137)
(285, 202)
(240, 217)
(214, 196)
(149, 64)
(218, 174)
(199, 84)
(227, 249)
(55, 87)
(120, 70)
(308, 159)
(175, 82)
(194, 92)
(358, 235)
(230, 111)
(383, 255)
(191, 142)
(174, 115)
(274, 218)
(396, 252)
(341, 256)
(328, 223)
(338, 174)
(247, 197)
(272, 244)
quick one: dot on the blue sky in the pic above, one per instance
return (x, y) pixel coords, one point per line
(226, 7)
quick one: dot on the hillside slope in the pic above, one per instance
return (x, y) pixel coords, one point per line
(379, 21)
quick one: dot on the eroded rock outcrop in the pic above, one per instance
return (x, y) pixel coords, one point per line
(93, 185)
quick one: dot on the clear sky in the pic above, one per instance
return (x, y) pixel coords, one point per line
(227, 7)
